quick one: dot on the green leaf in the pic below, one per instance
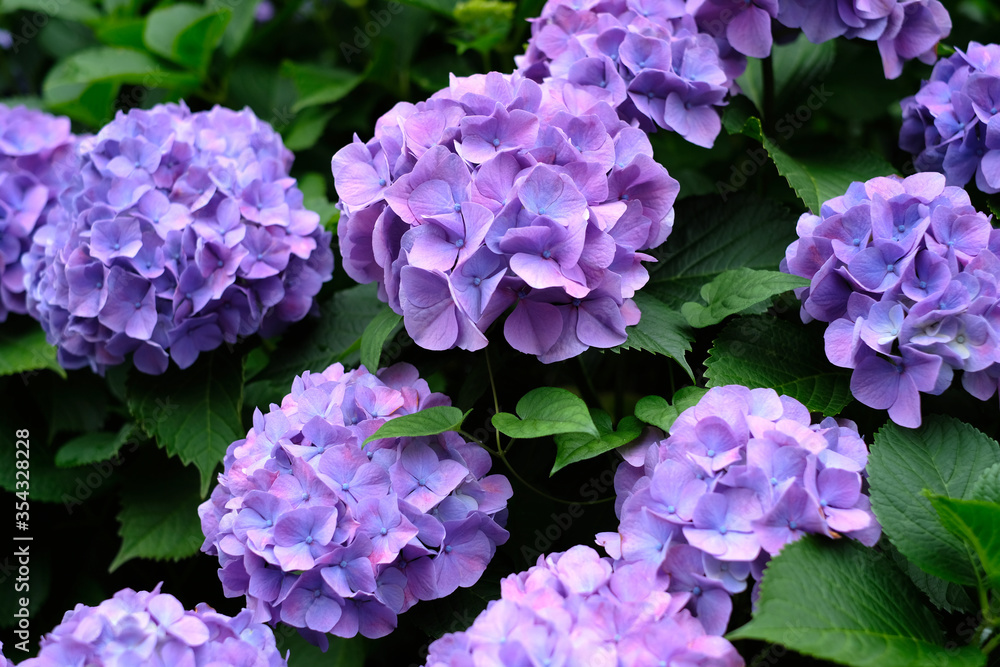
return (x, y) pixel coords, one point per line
(71, 10)
(84, 86)
(736, 290)
(661, 414)
(319, 85)
(158, 520)
(946, 595)
(315, 344)
(49, 483)
(987, 487)
(313, 186)
(445, 7)
(27, 352)
(977, 523)
(429, 421)
(840, 601)
(820, 175)
(711, 236)
(186, 34)
(573, 447)
(661, 330)
(945, 456)
(797, 66)
(239, 25)
(341, 652)
(763, 351)
(193, 413)
(546, 411)
(92, 447)
(125, 32)
(306, 130)
(376, 334)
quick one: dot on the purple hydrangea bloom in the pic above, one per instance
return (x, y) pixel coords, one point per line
(501, 193)
(949, 124)
(153, 628)
(330, 535)
(4, 662)
(177, 232)
(742, 473)
(576, 608)
(36, 150)
(906, 272)
(646, 59)
(903, 29)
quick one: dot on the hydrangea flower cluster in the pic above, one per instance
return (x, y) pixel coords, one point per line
(35, 148)
(646, 59)
(499, 192)
(742, 473)
(906, 272)
(179, 231)
(153, 628)
(576, 608)
(952, 125)
(4, 662)
(670, 64)
(328, 534)
(903, 29)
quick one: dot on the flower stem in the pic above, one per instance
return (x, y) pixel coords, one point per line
(767, 69)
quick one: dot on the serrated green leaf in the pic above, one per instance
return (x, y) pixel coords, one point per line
(27, 352)
(92, 447)
(945, 456)
(546, 411)
(193, 413)
(661, 330)
(711, 236)
(977, 523)
(763, 351)
(376, 334)
(319, 85)
(840, 601)
(661, 414)
(574, 447)
(736, 290)
(429, 421)
(186, 34)
(946, 595)
(987, 486)
(158, 520)
(315, 344)
(80, 11)
(819, 177)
